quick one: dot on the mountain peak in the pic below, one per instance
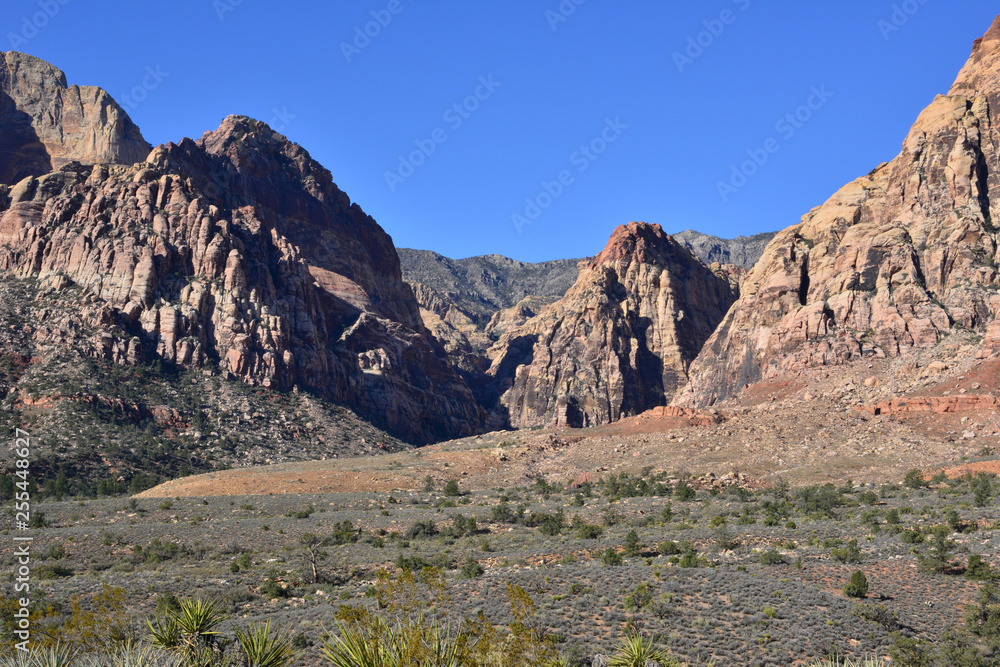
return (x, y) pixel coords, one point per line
(642, 241)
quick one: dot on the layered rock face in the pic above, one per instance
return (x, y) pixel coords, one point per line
(891, 262)
(238, 249)
(619, 342)
(47, 124)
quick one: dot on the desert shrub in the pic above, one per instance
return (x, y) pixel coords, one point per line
(421, 529)
(937, 558)
(640, 597)
(911, 536)
(633, 547)
(586, 531)
(819, 500)
(849, 554)
(684, 492)
(978, 569)
(669, 548)
(611, 557)
(915, 479)
(857, 587)
(771, 557)
(451, 489)
(878, 614)
(471, 569)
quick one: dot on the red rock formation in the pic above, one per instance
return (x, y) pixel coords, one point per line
(47, 124)
(890, 263)
(239, 249)
(619, 342)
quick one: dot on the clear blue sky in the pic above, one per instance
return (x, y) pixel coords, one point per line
(558, 86)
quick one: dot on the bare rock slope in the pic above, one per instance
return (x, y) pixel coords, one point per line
(619, 342)
(238, 249)
(47, 123)
(893, 262)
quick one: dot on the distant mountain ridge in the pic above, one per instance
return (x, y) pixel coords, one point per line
(742, 251)
(483, 285)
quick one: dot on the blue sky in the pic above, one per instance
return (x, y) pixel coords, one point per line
(587, 111)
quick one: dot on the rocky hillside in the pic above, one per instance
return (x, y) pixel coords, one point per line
(893, 262)
(47, 123)
(480, 286)
(235, 254)
(742, 252)
(619, 342)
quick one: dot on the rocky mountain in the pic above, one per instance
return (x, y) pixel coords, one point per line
(742, 252)
(894, 262)
(45, 123)
(618, 343)
(480, 286)
(236, 251)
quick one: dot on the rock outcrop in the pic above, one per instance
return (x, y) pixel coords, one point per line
(742, 252)
(47, 123)
(892, 262)
(239, 249)
(618, 343)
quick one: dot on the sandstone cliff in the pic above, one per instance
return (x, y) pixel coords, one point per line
(618, 343)
(893, 261)
(238, 249)
(47, 124)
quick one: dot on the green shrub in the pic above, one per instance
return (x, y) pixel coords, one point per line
(857, 587)
(771, 557)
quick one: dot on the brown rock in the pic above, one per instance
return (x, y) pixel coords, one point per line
(887, 265)
(618, 343)
(48, 124)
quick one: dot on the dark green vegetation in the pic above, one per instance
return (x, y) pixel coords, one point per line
(732, 577)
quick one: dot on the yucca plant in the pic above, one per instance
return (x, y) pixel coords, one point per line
(133, 655)
(412, 644)
(190, 630)
(635, 651)
(847, 662)
(263, 647)
(54, 656)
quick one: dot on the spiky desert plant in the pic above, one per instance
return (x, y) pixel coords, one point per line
(847, 662)
(53, 656)
(379, 644)
(263, 646)
(190, 630)
(635, 651)
(133, 655)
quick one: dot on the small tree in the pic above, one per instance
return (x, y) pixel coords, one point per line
(313, 552)
(684, 491)
(633, 547)
(451, 489)
(857, 587)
